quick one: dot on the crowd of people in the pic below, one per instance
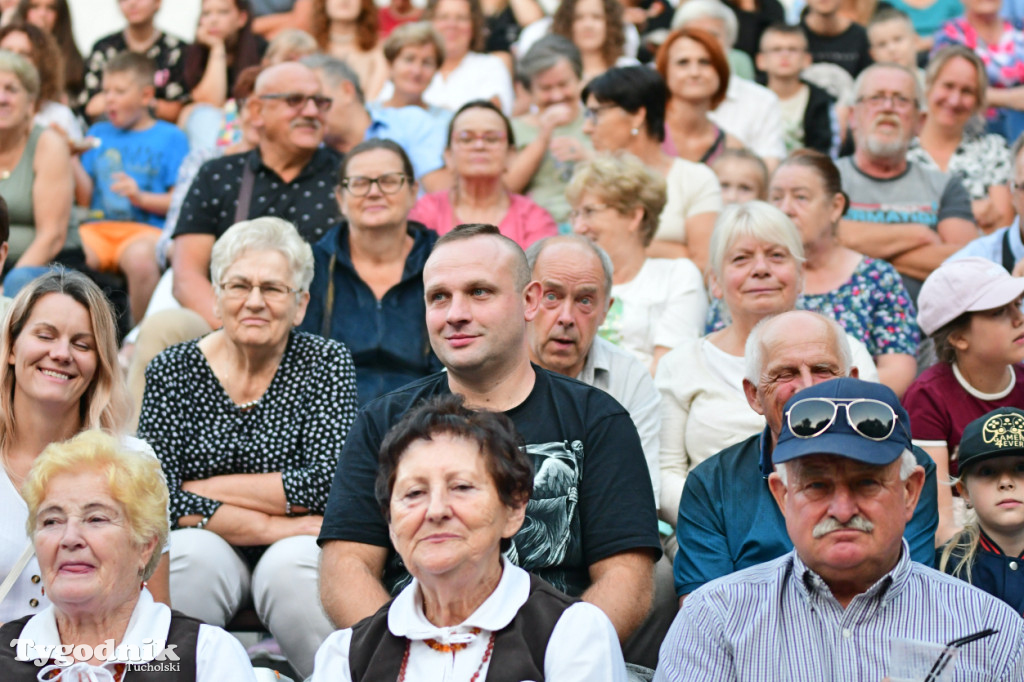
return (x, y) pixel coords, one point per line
(582, 340)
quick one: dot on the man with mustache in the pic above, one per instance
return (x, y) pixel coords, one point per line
(289, 175)
(911, 216)
(728, 520)
(847, 483)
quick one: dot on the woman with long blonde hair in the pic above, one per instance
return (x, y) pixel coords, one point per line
(61, 378)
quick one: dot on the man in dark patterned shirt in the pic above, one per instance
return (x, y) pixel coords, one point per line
(289, 175)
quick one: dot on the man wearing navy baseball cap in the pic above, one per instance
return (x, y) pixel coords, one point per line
(847, 483)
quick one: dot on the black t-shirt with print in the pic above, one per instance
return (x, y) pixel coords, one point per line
(592, 492)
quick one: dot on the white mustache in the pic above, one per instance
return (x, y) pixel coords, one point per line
(305, 122)
(830, 524)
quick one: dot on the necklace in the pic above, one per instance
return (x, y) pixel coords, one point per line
(437, 646)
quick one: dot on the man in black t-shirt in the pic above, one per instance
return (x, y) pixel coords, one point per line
(591, 525)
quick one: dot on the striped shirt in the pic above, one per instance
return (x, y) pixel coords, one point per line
(779, 621)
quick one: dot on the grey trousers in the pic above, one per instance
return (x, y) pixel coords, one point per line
(210, 581)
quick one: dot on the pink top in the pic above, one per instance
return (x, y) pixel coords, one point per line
(525, 222)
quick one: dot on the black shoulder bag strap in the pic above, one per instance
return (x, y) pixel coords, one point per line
(245, 192)
(1008, 260)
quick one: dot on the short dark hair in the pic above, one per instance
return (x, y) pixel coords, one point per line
(633, 88)
(782, 29)
(469, 230)
(482, 104)
(545, 54)
(369, 146)
(139, 65)
(500, 445)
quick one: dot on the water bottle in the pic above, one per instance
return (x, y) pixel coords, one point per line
(113, 205)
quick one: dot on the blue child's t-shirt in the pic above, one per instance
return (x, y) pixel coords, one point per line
(151, 156)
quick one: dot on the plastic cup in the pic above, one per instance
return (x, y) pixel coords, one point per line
(911, 660)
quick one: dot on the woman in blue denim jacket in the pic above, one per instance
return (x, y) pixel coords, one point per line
(368, 288)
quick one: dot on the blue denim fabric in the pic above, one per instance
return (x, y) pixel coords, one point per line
(387, 338)
(17, 278)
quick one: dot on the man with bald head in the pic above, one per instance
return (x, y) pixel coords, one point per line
(900, 211)
(728, 519)
(575, 277)
(289, 175)
(591, 526)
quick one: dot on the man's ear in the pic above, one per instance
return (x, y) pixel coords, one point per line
(759, 61)
(750, 390)
(913, 486)
(854, 372)
(531, 300)
(779, 491)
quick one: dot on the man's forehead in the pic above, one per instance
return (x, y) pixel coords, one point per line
(570, 265)
(471, 259)
(888, 79)
(288, 77)
(836, 465)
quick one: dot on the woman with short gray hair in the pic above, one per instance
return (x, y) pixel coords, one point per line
(755, 263)
(248, 422)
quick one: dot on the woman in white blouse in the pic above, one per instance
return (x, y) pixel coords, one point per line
(465, 73)
(755, 265)
(453, 485)
(658, 302)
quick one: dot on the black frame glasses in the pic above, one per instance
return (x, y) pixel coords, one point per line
(388, 183)
(297, 100)
(869, 418)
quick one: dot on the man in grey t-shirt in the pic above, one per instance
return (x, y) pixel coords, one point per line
(911, 216)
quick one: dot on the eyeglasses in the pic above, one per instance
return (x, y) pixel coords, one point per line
(871, 419)
(895, 101)
(465, 138)
(785, 50)
(272, 292)
(359, 186)
(590, 113)
(297, 100)
(586, 212)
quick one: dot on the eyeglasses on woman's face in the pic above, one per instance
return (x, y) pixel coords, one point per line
(388, 183)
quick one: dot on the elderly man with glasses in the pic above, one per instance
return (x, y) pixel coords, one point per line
(728, 520)
(902, 212)
(847, 483)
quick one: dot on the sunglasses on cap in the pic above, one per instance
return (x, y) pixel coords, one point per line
(871, 419)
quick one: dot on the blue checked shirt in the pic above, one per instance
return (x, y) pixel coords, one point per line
(779, 621)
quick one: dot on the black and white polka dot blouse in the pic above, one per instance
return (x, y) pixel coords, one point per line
(297, 427)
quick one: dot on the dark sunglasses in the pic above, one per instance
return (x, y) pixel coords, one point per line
(870, 418)
(297, 100)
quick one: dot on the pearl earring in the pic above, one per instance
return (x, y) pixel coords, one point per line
(634, 132)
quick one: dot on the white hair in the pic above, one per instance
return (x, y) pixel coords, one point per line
(757, 219)
(858, 84)
(263, 234)
(709, 9)
(753, 352)
(907, 465)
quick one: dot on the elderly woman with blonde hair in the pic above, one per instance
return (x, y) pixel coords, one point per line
(98, 518)
(658, 302)
(249, 421)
